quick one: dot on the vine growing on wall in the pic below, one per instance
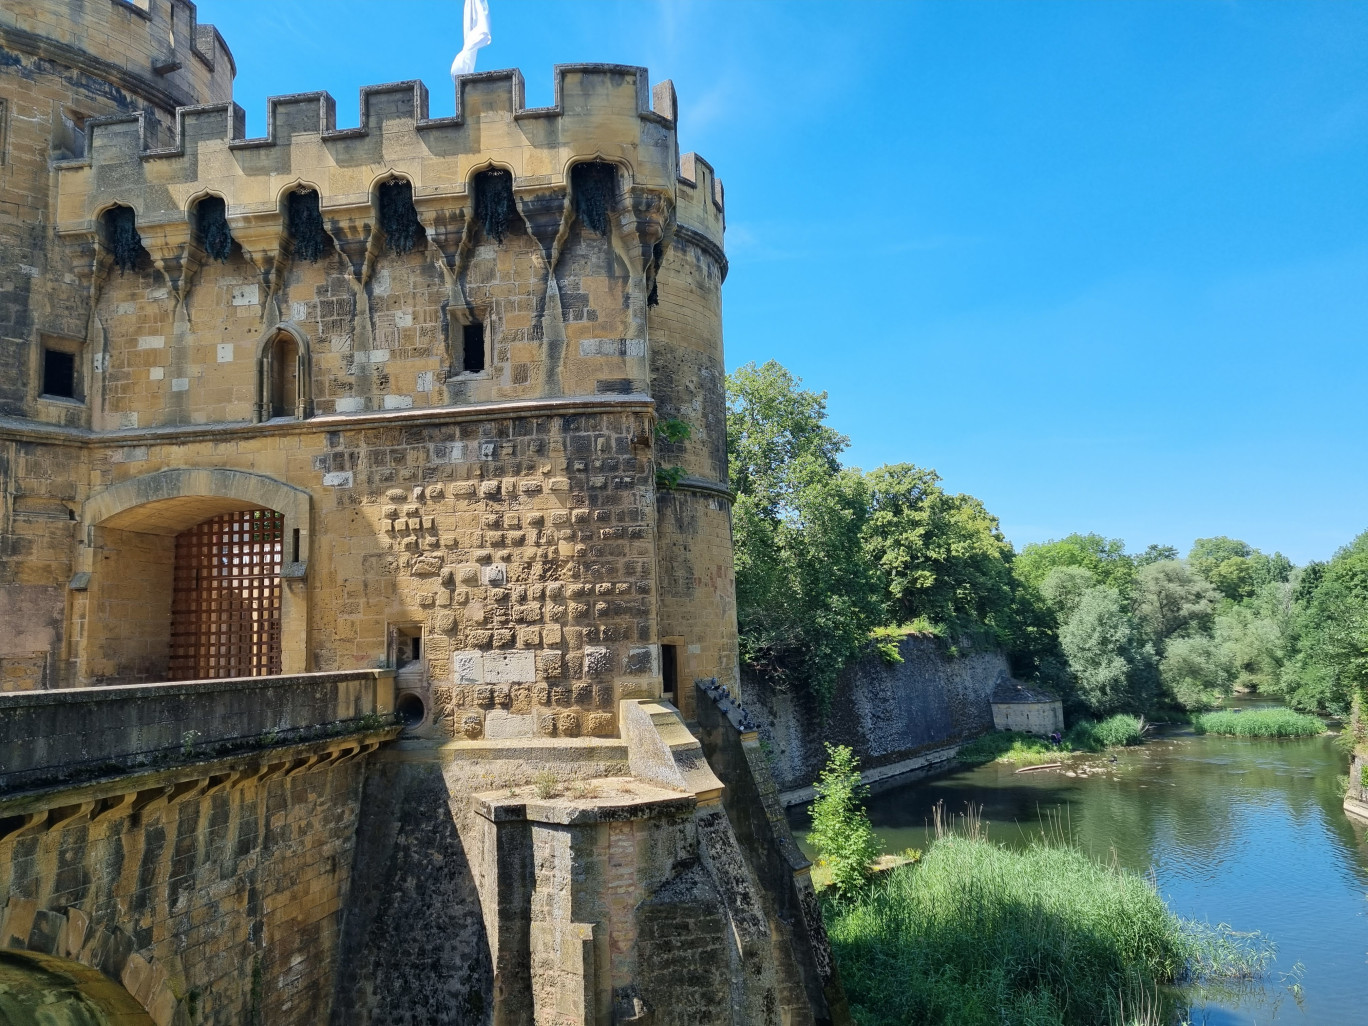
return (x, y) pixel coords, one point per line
(398, 217)
(672, 430)
(494, 202)
(215, 236)
(594, 185)
(306, 225)
(122, 238)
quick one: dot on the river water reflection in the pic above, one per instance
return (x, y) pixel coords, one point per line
(1246, 833)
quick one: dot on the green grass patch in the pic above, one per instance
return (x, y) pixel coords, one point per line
(977, 934)
(1032, 749)
(1009, 746)
(1264, 723)
(1113, 732)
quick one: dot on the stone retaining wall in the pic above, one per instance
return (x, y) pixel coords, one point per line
(887, 714)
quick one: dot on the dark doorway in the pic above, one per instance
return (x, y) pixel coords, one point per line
(669, 673)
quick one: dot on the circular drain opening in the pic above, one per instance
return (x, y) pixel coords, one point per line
(411, 710)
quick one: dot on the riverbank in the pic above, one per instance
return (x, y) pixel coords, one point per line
(1219, 823)
(1084, 737)
(977, 934)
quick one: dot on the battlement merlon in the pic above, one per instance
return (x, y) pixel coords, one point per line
(601, 112)
(155, 49)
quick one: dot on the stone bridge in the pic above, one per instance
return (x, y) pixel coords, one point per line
(189, 842)
(273, 851)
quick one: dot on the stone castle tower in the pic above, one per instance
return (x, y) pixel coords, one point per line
(422, 361)
(405, 446)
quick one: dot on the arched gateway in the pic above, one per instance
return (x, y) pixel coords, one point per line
(185, 578)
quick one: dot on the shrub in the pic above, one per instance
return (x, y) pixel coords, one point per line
(1113, 732)
(1260, 723)
(841, 832)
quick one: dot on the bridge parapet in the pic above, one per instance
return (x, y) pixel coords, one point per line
(65, 737)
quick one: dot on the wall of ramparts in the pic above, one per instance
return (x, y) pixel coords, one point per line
(885, 713)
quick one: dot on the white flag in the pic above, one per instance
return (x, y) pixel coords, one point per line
(476, 35)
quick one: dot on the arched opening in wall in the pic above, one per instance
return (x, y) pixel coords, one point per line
(38, 988)
(410, 709)
(594, 184)
(121, 238)
(284, 376)
(283, 370)
(225, 606)
(199, 553)
(211, 228)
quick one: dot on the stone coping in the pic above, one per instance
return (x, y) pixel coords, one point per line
(1356, 808)
(187, 688)
(258, 764)
(63, 737)
(30, 430)
(602, 800)
(880, 774)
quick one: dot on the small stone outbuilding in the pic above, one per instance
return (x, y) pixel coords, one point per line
(1033, 710)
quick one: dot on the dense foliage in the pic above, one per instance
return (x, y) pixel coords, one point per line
(831, 561)
(982, 935)
(841, 832)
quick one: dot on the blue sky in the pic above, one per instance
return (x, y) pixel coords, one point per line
(1103, 265)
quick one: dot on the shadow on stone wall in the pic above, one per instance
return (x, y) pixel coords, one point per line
(885, 713)
(414, 948)
(810, 988)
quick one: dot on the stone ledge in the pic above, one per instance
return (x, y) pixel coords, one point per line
(883, 774)
(93, 796)
(604, 800)
(25, 430)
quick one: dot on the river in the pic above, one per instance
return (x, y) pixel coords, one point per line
(1242, 832)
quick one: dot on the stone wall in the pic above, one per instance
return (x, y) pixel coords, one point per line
(64, 736)
(885, 713)
(213, 900)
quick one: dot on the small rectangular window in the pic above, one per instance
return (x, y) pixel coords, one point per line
(472, 348)
(59, 374)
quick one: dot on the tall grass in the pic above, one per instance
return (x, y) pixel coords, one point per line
(982, 935)
(1263, 723)
(1113, 732)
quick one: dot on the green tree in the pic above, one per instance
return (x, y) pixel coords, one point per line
(1253, 637)
(806, 597)
(1328, 633)
(1235, 568)
(1155, 554)
(1168, 599)
(1063, 589)
(841, 832)
(777, 438)
(1196, 671)
(941, 556)
(1104, 558)
(1112, 667)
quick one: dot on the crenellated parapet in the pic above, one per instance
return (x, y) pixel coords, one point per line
(601, 113)
(153, 49)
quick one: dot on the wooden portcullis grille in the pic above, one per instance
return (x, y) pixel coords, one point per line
(225, 609)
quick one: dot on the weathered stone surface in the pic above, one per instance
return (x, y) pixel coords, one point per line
(885, 713)
(510, 667)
